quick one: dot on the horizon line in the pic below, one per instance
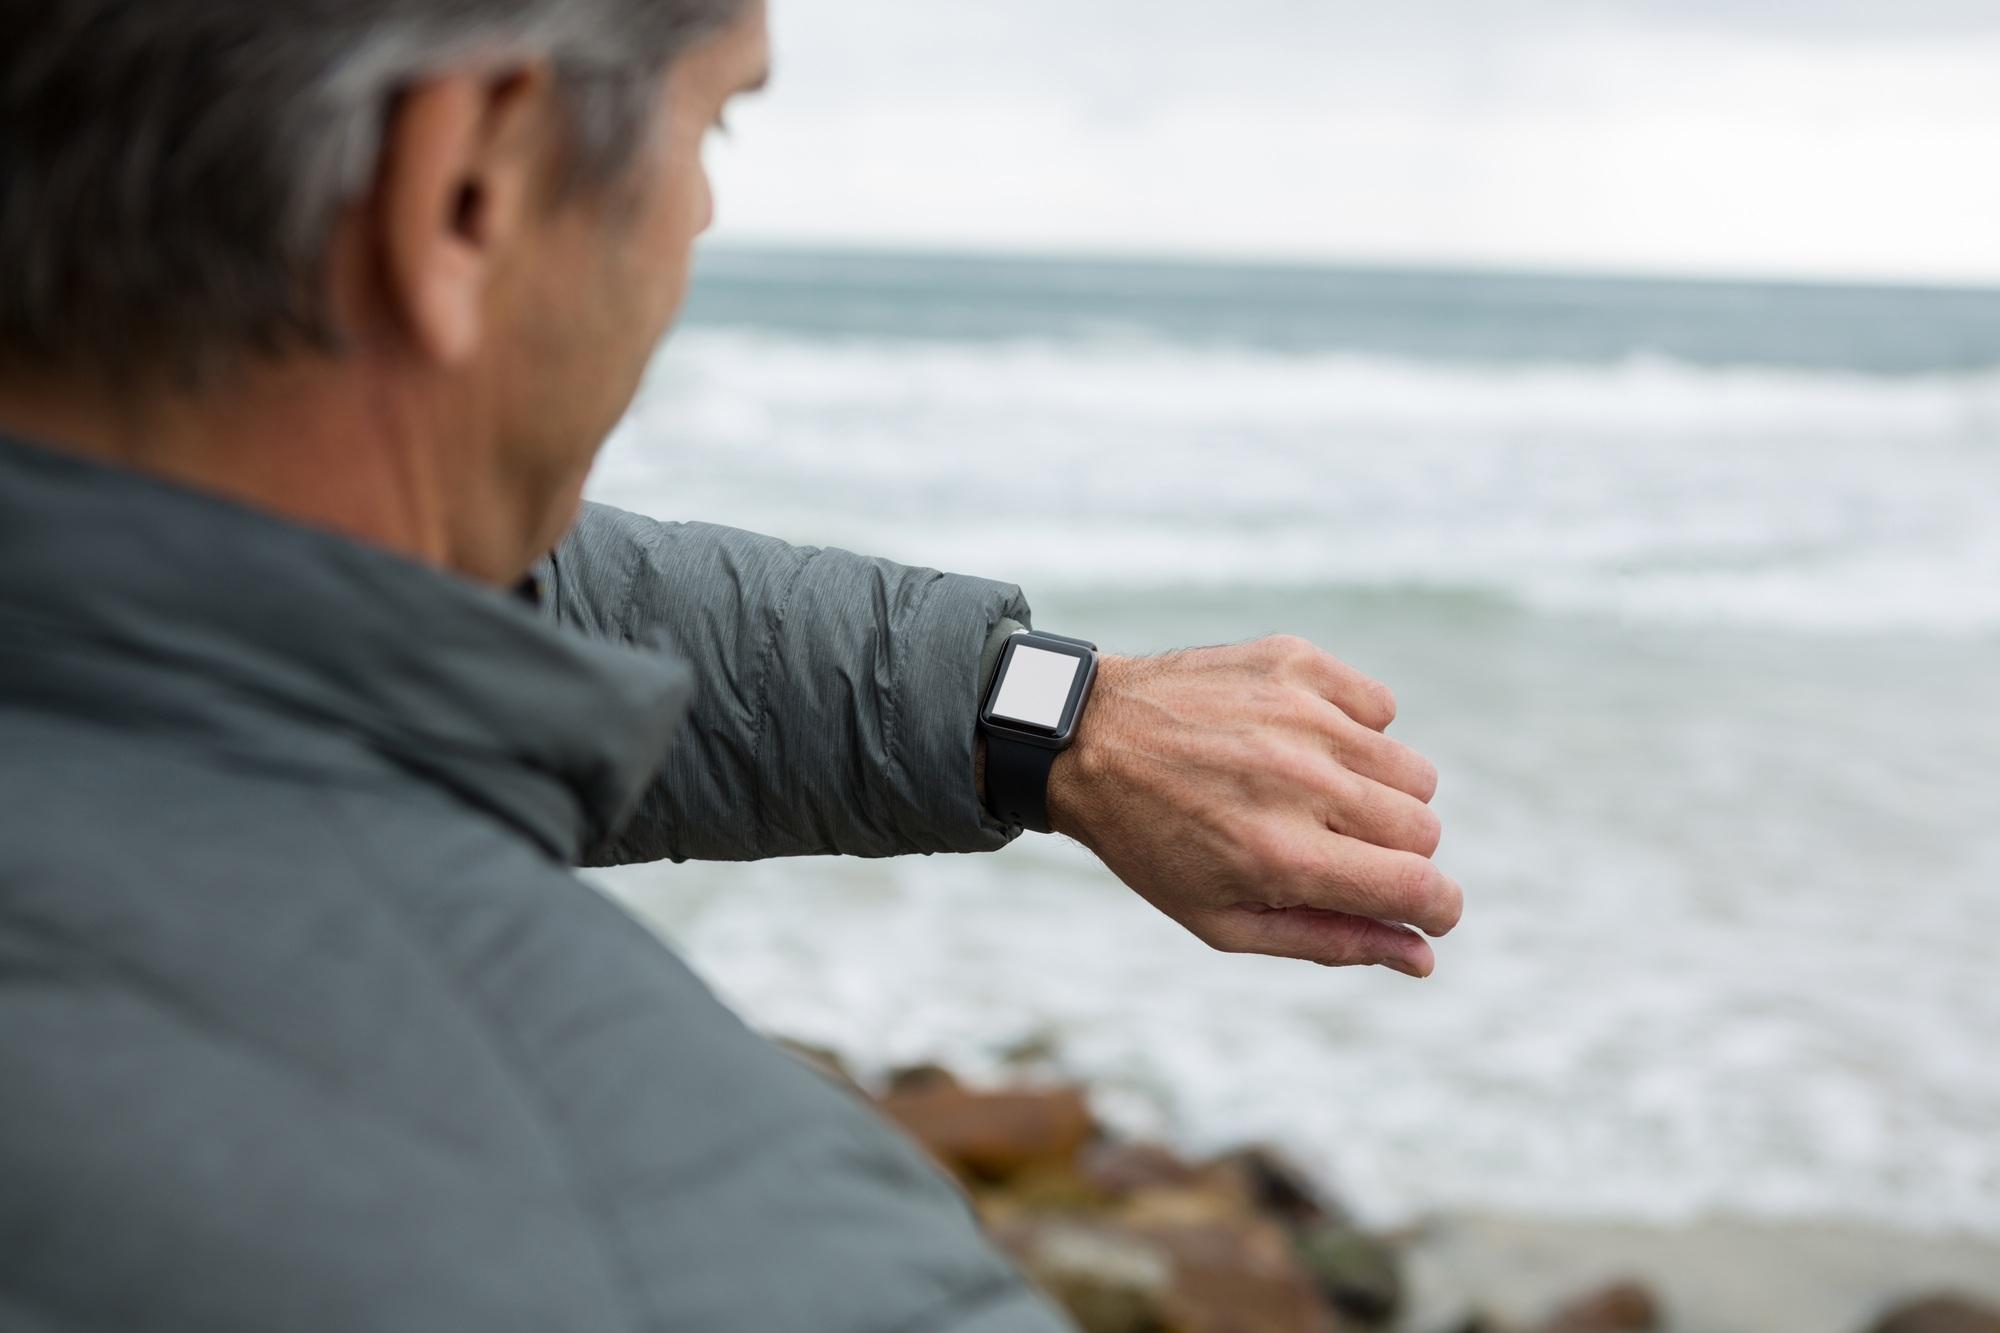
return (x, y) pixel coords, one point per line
(1281, 261)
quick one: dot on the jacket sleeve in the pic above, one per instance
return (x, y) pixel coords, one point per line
(836, 698)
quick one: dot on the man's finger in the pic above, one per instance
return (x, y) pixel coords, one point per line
(1363, 698)
(1332, 939)
(1370, 753)
(1344, 874)
(1366, 700)
(1373, 812)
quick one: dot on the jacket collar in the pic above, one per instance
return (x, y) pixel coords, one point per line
(139, 602)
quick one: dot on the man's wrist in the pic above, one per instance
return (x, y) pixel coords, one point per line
(1078, 778)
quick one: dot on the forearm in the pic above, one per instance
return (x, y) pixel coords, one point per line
(838, 694)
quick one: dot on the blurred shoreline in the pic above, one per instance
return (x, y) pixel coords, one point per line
(1136, 1236)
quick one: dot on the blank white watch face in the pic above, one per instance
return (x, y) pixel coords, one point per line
(1036, 687)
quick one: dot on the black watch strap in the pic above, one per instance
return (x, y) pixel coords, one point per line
(1017, 772)
(1017, 782)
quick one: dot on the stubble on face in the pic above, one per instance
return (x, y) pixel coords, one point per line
(611, 277)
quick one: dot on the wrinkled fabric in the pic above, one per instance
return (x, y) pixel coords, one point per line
(305, 1022)
(836, 696)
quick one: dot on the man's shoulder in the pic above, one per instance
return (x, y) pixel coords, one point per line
(221, 881)
(397, 1030)
(96, 797)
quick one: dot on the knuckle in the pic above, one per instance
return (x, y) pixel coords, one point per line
(1295, 766)
(1264, 748)
(1358, 809)
(1244, 844)
(1426, 831)
(1368, 702)
(1343, 948)
(1295, 710)
(1222, 935)
(1292, 650)
(1382, 700)
(1403, 768)
(1452, 909)
(1413, 882)
(1296, 874)
(1266, 851)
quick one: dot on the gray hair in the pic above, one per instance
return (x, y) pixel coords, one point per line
(171, 170)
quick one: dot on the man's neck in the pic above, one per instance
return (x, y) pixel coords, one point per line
(330, 451)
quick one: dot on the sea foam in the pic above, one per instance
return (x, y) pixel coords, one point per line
(1642, 489)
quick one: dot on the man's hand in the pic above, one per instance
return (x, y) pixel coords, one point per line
(1249, 793)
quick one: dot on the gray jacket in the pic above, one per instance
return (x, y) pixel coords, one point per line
(305, 1021)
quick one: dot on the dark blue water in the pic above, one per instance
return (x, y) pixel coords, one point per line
(1428, 316)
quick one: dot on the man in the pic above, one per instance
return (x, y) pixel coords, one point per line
(313, 314)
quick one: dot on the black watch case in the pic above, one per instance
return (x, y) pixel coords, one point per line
(1026, 733)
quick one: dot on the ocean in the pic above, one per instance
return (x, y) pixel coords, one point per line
(1692, 590)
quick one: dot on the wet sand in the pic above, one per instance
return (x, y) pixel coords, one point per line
(1714, 1277)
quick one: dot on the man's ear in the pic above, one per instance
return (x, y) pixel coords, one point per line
(463, 167)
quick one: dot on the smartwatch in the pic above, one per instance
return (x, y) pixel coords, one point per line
(1030, 715)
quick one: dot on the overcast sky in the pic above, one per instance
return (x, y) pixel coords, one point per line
(1848, 138)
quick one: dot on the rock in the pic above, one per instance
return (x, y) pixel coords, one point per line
(1235, 1275)
(1360, 1274)
(1274, 1185)
(920, 1078)
(1121, 1170)
(1188, 1260)
(1052, 1187)
(1622, 1307)
(1199, 1204)
(1109, 1280)
(1940, 1314)
(993, 1136)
